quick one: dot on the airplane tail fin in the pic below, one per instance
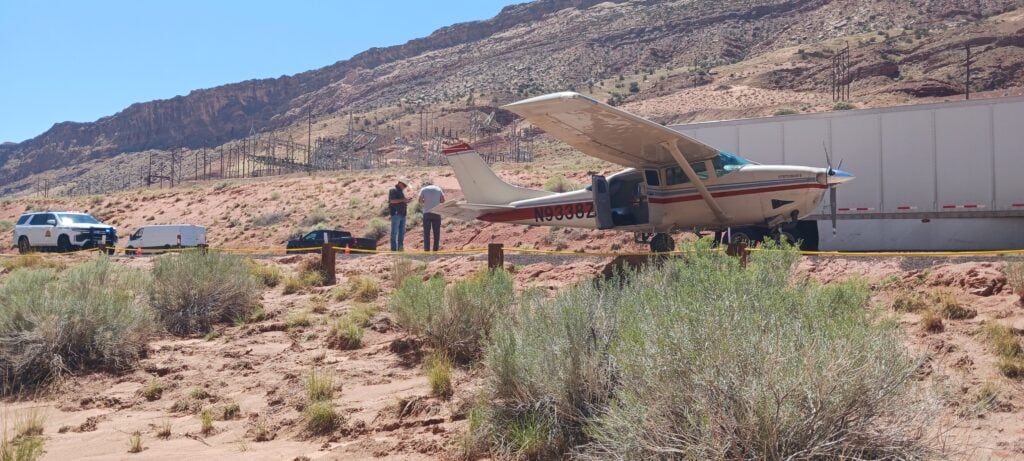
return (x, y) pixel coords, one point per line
(479, 183)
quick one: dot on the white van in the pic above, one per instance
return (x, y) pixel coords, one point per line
(167, 236)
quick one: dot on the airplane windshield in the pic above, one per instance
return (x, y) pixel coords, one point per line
(726, 163)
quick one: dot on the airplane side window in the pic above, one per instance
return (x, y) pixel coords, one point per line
(675, 175)
(701, 169)
(652, 177)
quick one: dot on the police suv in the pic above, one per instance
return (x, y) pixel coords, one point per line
(61, 231)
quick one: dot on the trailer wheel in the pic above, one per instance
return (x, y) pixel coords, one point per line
(746, 235)
(662, 243)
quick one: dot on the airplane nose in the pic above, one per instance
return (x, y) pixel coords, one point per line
(839, 177)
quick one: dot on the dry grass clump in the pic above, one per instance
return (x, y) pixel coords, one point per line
(458, 320)
(345, 334)
(26, 444)
(401, 269)
(31, 261)
(153, 390)
(268, 274)
(319, 414)
(301, 281)
(439, 374)
(163, 431)
(951, 309)
(91, 316)
(1015, 276)
(909, 301)
(206, 422)
(1008, 349)
(702, 359)
(931, 322)
(135, 442)
(192, 291)
(360, 288)
(298, 319)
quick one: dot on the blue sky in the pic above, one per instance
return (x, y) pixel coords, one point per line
(82, 60)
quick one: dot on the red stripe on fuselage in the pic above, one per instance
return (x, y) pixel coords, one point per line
(688, 198)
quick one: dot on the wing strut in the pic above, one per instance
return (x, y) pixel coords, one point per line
(688, 169)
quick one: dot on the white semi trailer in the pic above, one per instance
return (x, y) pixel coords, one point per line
(945, 176)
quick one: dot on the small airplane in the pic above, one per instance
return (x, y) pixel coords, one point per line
(671, 182)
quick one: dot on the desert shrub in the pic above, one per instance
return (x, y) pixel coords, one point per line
(439, 374)
(192, 291)
(6, 226)
(1015, 276)
(376, 229)
(699, 358)
(559, 183)
(153, 390)
(319, 386)
(784, 111)
(163, 431)
(270, 218)
(843, 105)
(361, 314)
(31, 261)
(268, 274)
(91, 316)
(458, 321)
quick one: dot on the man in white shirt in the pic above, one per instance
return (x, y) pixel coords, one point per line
(430, 197)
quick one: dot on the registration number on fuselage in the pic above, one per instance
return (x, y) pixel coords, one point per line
(564, 212)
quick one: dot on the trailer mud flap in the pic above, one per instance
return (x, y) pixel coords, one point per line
(602, 202)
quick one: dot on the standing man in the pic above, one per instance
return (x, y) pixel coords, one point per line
(397, 205)
(430, 197)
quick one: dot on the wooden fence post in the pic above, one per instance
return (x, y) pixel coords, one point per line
(327, 267)
(495, 256)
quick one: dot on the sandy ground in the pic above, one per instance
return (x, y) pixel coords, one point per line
(383, 394)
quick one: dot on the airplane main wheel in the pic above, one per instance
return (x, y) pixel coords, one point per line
(662, 243)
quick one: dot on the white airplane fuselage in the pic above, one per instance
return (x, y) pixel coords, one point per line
(751, 194)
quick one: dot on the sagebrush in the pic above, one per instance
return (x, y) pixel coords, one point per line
(192, 291)
(458, 320)
(702, 359)
(91, 316)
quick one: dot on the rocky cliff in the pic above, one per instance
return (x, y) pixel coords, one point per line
(527, 49)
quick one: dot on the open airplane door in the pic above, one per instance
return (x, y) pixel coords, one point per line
(602, 202)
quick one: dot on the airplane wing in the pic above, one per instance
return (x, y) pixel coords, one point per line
(610, 134)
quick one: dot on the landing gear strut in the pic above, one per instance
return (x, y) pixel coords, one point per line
(662, 243)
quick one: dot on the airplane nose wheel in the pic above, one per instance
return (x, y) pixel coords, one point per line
(662, 243)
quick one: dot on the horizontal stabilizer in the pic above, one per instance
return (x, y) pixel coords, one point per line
(466, 211)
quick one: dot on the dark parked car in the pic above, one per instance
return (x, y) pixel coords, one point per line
(312, 241)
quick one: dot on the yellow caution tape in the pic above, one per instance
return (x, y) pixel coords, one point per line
(464, 251)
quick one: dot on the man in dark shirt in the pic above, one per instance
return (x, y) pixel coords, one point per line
(397, 205)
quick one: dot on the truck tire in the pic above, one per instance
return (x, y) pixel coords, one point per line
(23, 246)
(63, 244)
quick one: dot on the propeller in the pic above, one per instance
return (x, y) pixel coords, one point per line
(832, 191)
